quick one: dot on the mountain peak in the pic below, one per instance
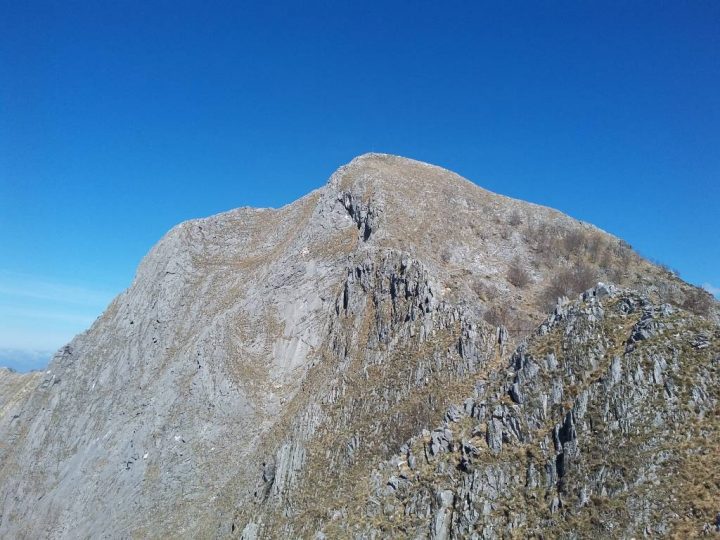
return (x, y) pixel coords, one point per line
(388, 171)
(263, 362)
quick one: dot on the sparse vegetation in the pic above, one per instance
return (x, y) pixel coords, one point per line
(446, 255)
(665, 267)
(518, 275)
(577, 241)
(544, 240)
(497, 315)
(698, 301)
(514, 322)
(568, 282)
(484, 291)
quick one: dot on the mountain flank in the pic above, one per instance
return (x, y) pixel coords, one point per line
(272, 373)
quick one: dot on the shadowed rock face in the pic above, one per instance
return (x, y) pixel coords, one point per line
(266, 364)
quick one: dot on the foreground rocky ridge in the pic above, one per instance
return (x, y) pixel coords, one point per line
(264, 362)
(604, 423)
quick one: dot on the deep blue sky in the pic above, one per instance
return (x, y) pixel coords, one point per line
(120, 119)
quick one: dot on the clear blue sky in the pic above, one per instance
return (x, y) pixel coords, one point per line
(120, 119)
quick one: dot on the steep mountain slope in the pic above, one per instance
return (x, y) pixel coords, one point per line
(263, 362)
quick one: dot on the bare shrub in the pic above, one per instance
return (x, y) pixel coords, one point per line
(515, 219)
(575, 242)
(616, 273)
(669, 269)
(622, 244)
(482, 290)
(549, 296)
(698, 301)
(665, 268)
(585, 243)
(479, 231)
(446, 255)
(535, 262)
(497, 315)
(625, 252)
(568, 282)
(598, 249)
(544, 236)
(518, 275)
(546, 239)
(554, 246)
(625, 257)
(583, 277)
(596, 242)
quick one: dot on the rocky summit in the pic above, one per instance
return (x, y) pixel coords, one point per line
(399, 354)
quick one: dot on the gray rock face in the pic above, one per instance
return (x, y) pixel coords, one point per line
(605, 460)
(264, 362)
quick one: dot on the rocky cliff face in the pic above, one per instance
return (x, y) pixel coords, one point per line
(270, 373)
